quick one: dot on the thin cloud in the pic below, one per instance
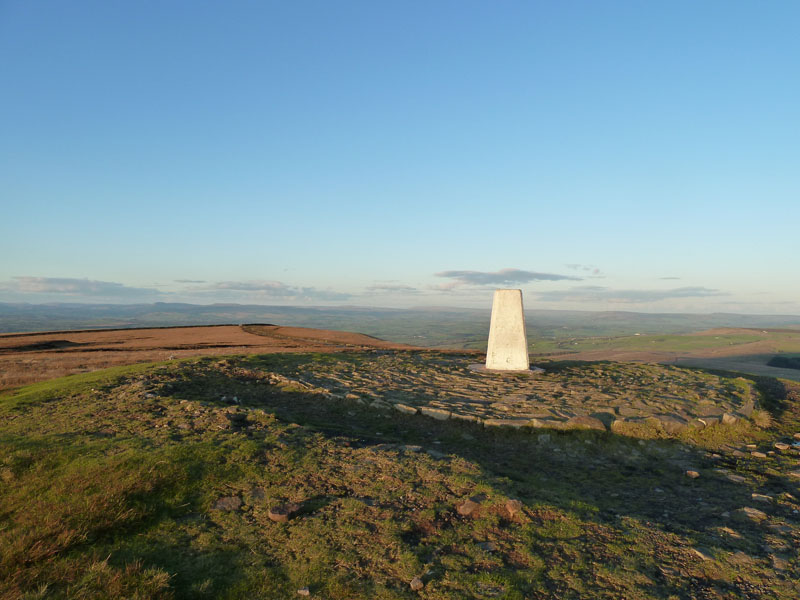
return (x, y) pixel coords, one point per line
(669, 278)
(68, 286)
(501, 277)
(594, 293)
(275, 290)
(392, 288)
(189, 281)
(593, 271)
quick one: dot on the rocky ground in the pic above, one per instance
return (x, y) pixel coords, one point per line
(616, 396)
(296, 476)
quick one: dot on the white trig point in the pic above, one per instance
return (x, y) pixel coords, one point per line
(508, 344)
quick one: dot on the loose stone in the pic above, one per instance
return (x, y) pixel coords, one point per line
(514, 507)
(282, 513)
(416, 584)
(692, 474)
(470, 505)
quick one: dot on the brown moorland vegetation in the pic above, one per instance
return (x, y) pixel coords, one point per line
(32, 357)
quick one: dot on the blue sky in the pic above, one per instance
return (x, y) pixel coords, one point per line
(598, 155)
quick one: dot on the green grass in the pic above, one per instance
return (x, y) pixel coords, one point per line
(109, 484)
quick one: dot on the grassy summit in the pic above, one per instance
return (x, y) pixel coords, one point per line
(164, 481)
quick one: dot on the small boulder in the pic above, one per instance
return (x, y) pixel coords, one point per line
(416, 584)
(757, 454)
(729, 419)
(470, 505)
(782, 446)
(692, 474)
(304, 591)
(514, 508)
(282, 513)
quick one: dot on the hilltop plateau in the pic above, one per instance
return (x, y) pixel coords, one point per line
(385, 472)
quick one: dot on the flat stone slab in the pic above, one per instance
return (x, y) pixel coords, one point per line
(481, 368)
(623, 397)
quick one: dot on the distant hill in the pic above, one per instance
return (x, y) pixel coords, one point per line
(428, 326)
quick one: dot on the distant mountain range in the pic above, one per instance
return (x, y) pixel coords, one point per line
(428, 326)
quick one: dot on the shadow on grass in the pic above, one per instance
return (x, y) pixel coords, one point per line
(599, 478)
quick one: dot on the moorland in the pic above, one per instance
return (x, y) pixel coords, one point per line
(260, 461)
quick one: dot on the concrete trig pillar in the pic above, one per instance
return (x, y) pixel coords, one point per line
(508, 343)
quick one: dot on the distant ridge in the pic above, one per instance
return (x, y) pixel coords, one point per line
(429, 326)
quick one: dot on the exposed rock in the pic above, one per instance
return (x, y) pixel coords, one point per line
(585, 422)
(627, 411)
(282, 513)
(470, 505)
(514, 507)
(729, 419)
(779, 563)
(703, 553)
(782, 446)
(710, 420)
(464, 417)
(228, 503)
(692, 474)
(437, 413)
(304, 591)
(416, 584)
(404, 408)
(794, 474)
(761, 497)
(411, 448)
(756, 454)
(749, 513)
(487, 546)
(544, 423)
(736, 478)
(672, 424)
(506, 422)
